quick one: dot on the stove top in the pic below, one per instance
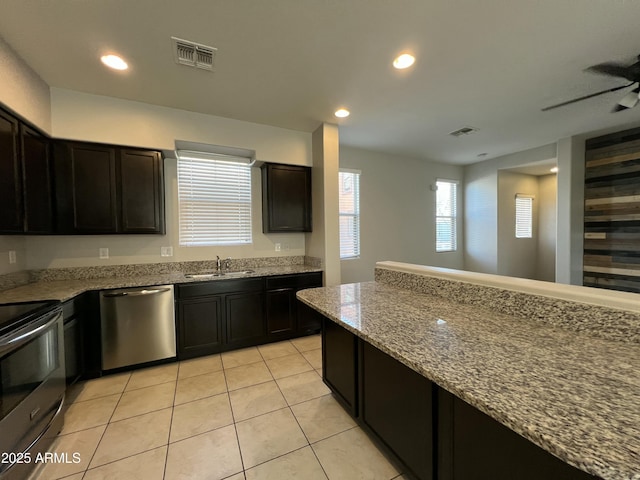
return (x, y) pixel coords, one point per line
(13, 315)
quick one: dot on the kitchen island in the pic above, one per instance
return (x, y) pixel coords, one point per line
(575, 393)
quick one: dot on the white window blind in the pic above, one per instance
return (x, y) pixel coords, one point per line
(524, 216)
(214, 195)
(349, 200)
(446, 215)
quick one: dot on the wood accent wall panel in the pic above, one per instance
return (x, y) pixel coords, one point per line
(612, 212)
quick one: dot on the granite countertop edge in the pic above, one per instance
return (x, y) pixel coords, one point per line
(545, 439)
(64, 290)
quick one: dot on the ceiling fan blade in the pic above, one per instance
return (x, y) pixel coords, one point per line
(614, 70)
(568, 102)
(631, 99)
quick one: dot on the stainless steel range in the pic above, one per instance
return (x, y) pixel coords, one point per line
(32, 383)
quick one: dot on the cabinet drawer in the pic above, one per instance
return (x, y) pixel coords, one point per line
(297, 281)
(216, 287)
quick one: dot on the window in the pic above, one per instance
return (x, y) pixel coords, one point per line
(446, 215)
(524, 216)
(214, 196)
(349, 197)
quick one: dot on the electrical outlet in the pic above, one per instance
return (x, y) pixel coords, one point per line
(104, 253)
(166, 251)
(278, 247)
(287, 247)
(12, 256)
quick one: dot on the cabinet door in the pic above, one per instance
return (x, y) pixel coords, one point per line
(86, 188)
(397, 405)
(245, 318)
(141, 191)
(309, 320)
(339, 350)
(36, 171)
(474, 446)
(11, 220)
(286, 198)
(280, 311)
(199, 327)
(73, 353)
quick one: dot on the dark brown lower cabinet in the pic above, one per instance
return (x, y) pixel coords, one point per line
(434, 434)
(309, 320)
(245, 319)
(281, 318)
(73, 313)
(286, 316)
(394, 395)
(339, 364)
(474, 446)
(199, 329)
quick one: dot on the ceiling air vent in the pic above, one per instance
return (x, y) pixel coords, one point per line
(463, 131)
(193, 54)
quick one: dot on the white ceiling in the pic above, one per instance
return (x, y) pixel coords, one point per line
(490, 64)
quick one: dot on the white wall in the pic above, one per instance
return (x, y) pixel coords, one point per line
(324, 242)
(570, 210)
(95, 118)
(517, 257)
(547, 231)
(27, 95)
(87, 117)
(22, 90)
(481, 206)
(397, 208)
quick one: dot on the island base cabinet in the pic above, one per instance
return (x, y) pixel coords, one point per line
(394, 395)
(473, 446)
(339, 352)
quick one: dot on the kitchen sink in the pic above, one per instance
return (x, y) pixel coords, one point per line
(238, 273)
(219, 274)
(203, 275)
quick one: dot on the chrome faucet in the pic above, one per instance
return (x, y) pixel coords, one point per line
(218, 264)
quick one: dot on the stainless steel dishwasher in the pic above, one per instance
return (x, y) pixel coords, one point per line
(137, 325)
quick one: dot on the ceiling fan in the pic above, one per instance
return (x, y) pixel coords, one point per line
(613, 69)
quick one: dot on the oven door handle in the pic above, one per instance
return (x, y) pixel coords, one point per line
(22, 336)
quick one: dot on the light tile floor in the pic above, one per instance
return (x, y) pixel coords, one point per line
(256, 413)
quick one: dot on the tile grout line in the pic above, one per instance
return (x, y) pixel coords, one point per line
(233, 418)
(173, 406)
(107, 426)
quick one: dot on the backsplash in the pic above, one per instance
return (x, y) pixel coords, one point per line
(108, 271)
(609, 323)
(14, 279)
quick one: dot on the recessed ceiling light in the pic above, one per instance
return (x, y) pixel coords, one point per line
(342, 113)
(404, 61)
(554, 170)
(114, 61)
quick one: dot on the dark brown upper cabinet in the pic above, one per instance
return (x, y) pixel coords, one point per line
(286, 198)
(11, 212)
(102, 189)
(141, 191)
(36, 181)
(25, 178)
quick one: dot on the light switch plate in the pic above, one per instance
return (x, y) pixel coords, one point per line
(166, 251)
(278, 247)
(104, 253)
(12, 256)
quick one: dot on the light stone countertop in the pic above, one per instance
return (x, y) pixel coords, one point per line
(67, 289)
(573, 394)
